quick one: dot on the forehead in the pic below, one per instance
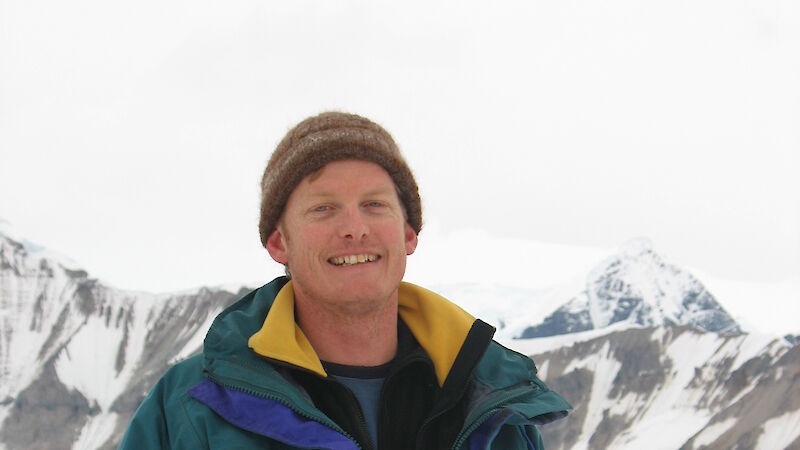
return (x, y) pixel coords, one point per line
(346, 176)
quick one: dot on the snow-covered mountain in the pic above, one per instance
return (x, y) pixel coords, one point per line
(671, 387)
(654, 362)
(638, 287)
(649, 358)
(77, 356)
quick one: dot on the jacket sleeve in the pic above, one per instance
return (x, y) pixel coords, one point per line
(517, 437)
(505, 431)
(534, 437)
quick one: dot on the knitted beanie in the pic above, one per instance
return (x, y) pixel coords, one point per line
(328, 137)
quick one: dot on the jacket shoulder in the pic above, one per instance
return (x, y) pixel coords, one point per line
(503, 369)
(183, 375)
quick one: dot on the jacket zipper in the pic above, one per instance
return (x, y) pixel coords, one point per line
(410, 360)
(328, 423)
(422, 429)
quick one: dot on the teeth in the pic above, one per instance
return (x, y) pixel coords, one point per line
(349, 260)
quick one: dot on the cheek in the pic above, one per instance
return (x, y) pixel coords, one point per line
(396, 236)
(308, 242)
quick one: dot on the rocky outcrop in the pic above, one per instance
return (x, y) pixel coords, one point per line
(46, 415)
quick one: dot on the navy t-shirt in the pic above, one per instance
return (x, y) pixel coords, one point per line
(366, 384)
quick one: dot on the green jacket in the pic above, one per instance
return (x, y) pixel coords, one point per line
(259, 384)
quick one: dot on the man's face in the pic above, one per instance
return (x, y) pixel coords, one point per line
(344, 236)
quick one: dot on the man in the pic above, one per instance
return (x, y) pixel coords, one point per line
(342, 354)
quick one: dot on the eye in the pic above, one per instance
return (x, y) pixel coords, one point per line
(375, 204)
(321, 208)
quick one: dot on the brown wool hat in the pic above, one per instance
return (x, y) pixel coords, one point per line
(328, 137)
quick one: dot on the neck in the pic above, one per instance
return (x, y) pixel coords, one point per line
(351, 336)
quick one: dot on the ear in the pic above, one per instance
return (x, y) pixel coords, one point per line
(277, 247)
(411, 239)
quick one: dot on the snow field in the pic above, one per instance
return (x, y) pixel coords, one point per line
(660, 409)
(688, 351)
(4, 411)
(96, 431)
(605, 369)
(747, 348)
(195, 342)
(542, 369)
(599, 316)
(546, 344)
(24, 345)
(757, 343)
(666, 431)
(713, 432)
(780, 431)
(87, 363)
(141, 310)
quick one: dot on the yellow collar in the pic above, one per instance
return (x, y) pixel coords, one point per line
(439, 326)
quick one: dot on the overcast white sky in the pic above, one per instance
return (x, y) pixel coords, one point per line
(133, 134)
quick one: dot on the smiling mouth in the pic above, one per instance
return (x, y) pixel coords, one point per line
(351, 260)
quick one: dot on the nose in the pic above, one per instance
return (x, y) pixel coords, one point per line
(353, 226)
